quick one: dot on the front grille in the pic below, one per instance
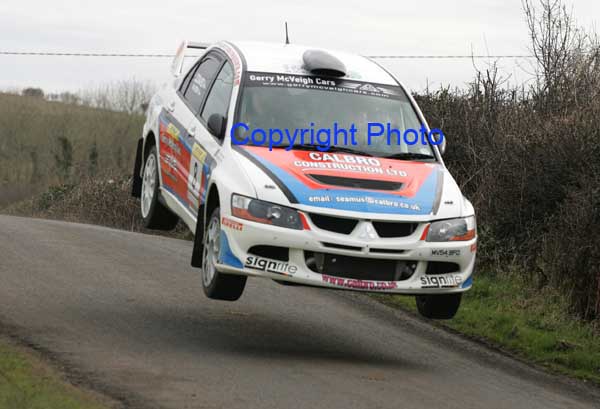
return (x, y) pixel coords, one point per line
(359, 268)
(372, 184)
(272, 252)
(394, 229)
(334, 224)
(386, 251)
(441, 267)
(341, 246)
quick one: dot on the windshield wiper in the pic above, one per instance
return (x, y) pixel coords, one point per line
(331, 149)
(409, 156)
(348, 150)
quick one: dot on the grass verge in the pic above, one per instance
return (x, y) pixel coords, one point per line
(28, 383)
(534, 325)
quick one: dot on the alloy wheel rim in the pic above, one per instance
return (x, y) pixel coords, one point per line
(148, 185)
(211, 251)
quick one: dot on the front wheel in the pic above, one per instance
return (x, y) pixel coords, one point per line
(439, 306)
(217, 285)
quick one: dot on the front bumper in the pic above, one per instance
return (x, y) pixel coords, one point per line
(422, 267)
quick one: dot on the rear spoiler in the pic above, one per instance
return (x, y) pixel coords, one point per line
(177, 65)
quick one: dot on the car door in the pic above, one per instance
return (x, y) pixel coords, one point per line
(176, 136)
(206, 146)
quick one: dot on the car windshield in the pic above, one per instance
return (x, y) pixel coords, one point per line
(284, 101)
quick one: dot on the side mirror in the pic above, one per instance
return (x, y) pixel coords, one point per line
(436, 137)
(216, 125)
(442, 146)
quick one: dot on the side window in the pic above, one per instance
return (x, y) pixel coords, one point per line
(220, 93)
(200, 82)
(187, 79)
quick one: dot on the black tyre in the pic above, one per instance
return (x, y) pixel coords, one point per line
(155, 215)
(439, 306)
(217, 285)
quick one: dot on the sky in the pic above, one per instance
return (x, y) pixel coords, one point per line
(424, 27)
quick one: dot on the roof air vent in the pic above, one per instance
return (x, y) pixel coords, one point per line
(322, 63)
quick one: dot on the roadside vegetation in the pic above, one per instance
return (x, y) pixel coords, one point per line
(505, 311)
(26, 382)
(104, 199)
(528, 158)
(65, 138)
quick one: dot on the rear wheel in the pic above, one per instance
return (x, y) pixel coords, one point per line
(439, 306)
(217, 285)
(155, 215)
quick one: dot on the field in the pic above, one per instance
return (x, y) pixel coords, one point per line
(46, 143)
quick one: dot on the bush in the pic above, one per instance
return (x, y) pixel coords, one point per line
(103, 200)
(33, 92)
(529, 161)
(570, 256)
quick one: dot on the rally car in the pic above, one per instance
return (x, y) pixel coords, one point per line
(373, 217)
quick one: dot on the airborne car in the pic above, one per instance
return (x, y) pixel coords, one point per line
(365, 217)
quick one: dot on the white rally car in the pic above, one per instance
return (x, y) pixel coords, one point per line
(375, 217)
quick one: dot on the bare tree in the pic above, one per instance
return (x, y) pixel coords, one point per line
(128, 96)
(566, 57)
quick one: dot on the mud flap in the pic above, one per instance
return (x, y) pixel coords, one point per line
(198, 252)
(136, 185)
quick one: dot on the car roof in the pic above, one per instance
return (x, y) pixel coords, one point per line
(287, 58)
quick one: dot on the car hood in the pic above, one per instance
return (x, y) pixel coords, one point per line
(348, 182)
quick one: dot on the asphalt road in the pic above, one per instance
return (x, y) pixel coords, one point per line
(127, 314)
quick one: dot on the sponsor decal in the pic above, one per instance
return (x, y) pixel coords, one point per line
(294, 171)
(170, 143)
(398, 204)
(348, 163)
(320, 83)
(196, 173)
(172, 131)
(235, 59)
(232, 224)
(170, 161)
(359, 284)
(170, 166)
(199, 153)
(441, 281)
(270, 266)
(185, 165)
(445, 252)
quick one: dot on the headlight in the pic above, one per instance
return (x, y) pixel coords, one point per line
(453, 230)
(265, 212)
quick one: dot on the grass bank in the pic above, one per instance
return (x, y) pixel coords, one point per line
(28, 383)
(103, 200)
(535, 325)
(45, 143)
